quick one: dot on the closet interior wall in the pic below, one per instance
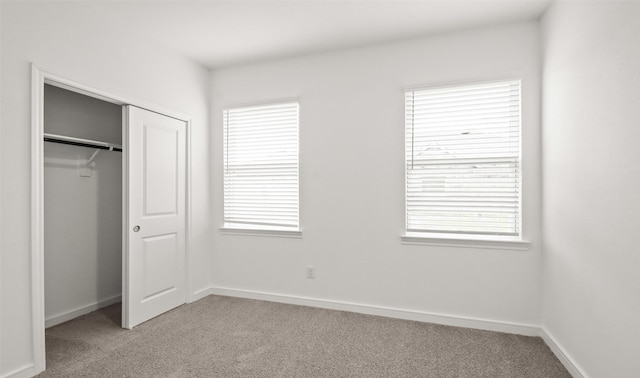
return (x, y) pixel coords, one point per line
(82, 215)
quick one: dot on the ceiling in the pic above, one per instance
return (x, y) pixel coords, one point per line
(224, 33)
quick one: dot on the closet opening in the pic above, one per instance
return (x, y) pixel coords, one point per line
(109, 213)
(82, 203)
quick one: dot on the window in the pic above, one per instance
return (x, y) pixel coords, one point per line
(463, 160)
(261, 167)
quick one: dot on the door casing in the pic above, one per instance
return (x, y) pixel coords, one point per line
(38, 79)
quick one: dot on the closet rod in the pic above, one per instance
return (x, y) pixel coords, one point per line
(82, 142)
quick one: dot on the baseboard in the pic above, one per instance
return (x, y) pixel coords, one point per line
(200, 294)
(568, 362)
(64, 317)
(23, 372)
(451, 320)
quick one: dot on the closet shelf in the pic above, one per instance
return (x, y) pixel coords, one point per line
(82, 142)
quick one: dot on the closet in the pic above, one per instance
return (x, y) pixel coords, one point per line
(114, 206)
(83, 190)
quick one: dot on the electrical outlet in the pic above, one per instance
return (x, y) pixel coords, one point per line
(311, 272)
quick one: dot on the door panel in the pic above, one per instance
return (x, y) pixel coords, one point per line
(159, 258)
(160, 170)
(155, 260)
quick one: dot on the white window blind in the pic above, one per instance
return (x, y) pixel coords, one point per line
(261, 166)
(463, 159)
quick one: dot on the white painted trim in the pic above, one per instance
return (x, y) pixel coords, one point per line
(23, 372)
(188, 213)
(511, 245)
(38, 79)
(389, 312)
(37, 220)
(66, 316)
(202, 293)
(292, 234)
(561, 353)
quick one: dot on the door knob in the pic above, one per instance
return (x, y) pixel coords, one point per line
(136, 228)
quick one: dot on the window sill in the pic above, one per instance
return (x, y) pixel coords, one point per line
(465, 241)
(264, 232)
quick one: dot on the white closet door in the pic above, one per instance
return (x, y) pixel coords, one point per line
(155, 262)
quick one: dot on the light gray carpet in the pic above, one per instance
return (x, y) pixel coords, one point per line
(230, 337)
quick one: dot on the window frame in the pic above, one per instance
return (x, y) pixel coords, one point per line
(247, 229)
(461, 239)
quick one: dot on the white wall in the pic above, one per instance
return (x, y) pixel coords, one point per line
(352, 172)
(82, 215)
(81, 42)
(591, 155)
